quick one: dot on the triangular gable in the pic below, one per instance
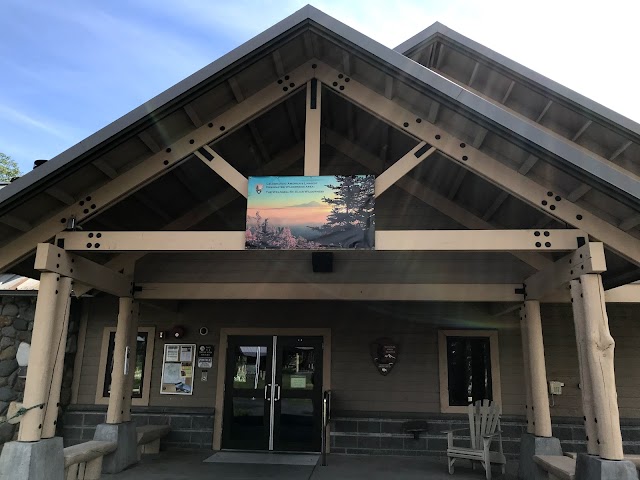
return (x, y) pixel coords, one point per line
(310, 24)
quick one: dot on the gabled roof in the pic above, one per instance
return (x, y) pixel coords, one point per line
(438, 31)
(101, 159)
(523, 91)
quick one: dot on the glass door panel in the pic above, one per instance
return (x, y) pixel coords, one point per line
(298, 396)
(247, 413)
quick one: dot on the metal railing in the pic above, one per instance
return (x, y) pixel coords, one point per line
(326, 418)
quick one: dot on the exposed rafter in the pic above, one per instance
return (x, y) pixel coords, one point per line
(193, 116)
(60, 195)
(108, 170)
(507, 94)
(544, 111)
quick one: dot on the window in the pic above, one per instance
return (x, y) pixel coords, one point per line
(142, 369)
(469, 368)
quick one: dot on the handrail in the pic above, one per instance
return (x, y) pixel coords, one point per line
(326, 418)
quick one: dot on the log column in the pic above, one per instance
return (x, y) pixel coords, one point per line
(526, 376)
(56, 360)
(50, 321)
(119, 392)
(598, 345)
(586, 390)
(537, 369)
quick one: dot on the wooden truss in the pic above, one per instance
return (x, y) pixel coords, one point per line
(483, 165)
(404, 240)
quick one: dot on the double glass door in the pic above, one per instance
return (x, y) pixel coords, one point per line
(273, 393)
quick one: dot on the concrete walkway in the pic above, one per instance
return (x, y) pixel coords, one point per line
(188, 465)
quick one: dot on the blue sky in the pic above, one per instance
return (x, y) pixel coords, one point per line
(71, 67)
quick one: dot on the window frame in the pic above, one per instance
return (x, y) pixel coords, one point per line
(100, 399)
(496, 386)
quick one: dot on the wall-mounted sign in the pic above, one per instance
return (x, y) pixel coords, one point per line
(312, 213)
(177, 369)
(384, 353)
(205, 356)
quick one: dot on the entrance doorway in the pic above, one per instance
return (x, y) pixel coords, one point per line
(273, 393)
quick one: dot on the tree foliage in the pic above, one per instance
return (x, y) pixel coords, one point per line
(260, 234)
(352, 205)
(8, 168)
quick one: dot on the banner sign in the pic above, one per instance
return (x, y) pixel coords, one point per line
(311, 213)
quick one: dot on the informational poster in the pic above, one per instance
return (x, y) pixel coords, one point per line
(186, 353)
(205, 356)
(311, 213)
(298, 381)
(177, 369)
(172, 353)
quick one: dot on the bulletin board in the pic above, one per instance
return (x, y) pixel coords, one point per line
(177, 369)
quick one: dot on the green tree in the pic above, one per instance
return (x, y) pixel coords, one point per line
(8, 168)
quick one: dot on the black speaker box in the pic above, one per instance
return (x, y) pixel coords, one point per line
(322, 262)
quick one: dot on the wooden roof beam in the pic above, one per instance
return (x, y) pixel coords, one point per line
(206, 208)
(489, 168)
(507, 94)
(583, 189)
(473, 75)
(544, 111)
(105, 168)
(16, 223)
(462, 173)
(60, 195)
(582, 130)
(430, 197)
(156, 165)
(619, 151)
(193, 115)
(630, 222)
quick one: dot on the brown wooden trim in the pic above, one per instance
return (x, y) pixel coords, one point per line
(444, 370)
(148, 361)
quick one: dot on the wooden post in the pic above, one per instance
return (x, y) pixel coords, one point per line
(40, 371)
(118, 392)
(133, 344)
(599, 348)
(56, 359)
(526, 376)
(537, 369)
(312, 128)
(586, 390)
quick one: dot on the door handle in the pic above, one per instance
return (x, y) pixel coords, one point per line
(277, 393)
(266, 388)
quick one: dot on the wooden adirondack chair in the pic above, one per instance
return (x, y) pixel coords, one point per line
(484, 426)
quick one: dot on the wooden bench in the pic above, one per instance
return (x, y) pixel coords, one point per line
(557, 466)
(633, 458)
(84, 461)
(149, 438)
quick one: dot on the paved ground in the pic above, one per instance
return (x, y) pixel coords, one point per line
(188, 465)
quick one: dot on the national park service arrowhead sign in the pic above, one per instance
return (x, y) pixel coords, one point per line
(384, 353)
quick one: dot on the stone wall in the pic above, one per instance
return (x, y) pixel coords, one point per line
(191, 428)
(382, 435)
(16, 325)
